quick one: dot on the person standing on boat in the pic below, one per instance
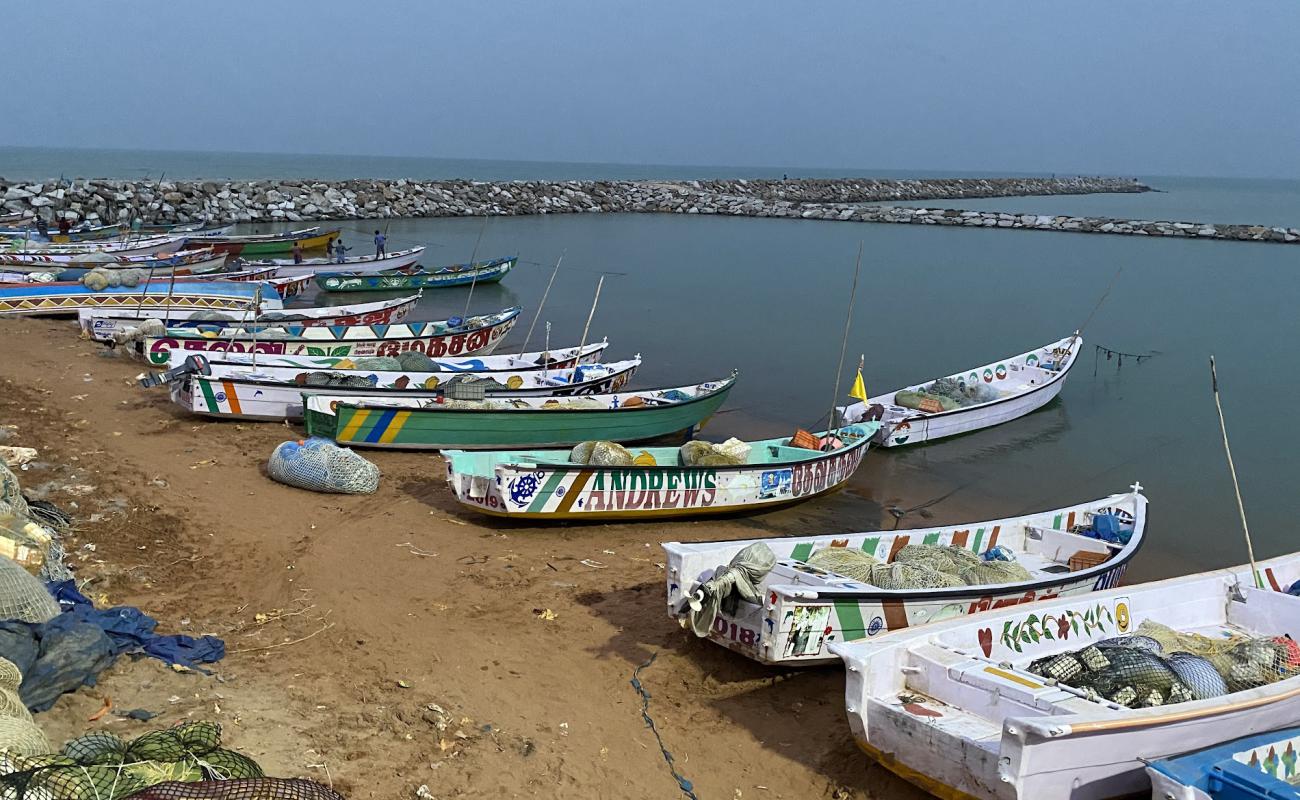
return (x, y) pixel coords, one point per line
(380, 241)
(297, 252)
(340, 251)
(65, 225)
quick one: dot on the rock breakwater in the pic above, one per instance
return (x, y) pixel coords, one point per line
(850, 200)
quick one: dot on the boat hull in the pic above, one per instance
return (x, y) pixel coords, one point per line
(241, 246)
(366, 264)
(247, 398)
(903, 426)
(69, 298)
(417, 280)
(951, 711)
(481, 341)
(473, 429)
(554, 491)
(104, 325)
(793, 629)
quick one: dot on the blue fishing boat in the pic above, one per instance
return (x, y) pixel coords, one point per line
(1260, 767)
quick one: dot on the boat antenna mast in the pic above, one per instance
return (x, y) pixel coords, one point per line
(844, 342)
(1232, 469)
(577, 362)
(473, 277)
(542, 305)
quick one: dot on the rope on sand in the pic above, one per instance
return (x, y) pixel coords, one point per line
(686, 786)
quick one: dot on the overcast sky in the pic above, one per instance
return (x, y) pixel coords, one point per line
(1107, 86)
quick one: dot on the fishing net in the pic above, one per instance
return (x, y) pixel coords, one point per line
(322, 466)
(939, 557)
(964, 394)
(924, 401)
(334, 379)
(21, 736)
(247, 789)
(23, 596)
(415, 361)
(989, 573)
(1159, 666)
(210, 315)
(377, 363)
(11, 704)
(697, 453)
(103, 766)
(738, 580)
(911, 576)
(11, 492)
(605, 454)
(844, 561)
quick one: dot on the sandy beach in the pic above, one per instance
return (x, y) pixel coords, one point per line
(381, 643)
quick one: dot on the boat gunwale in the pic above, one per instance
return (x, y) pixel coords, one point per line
(956, 593)
(724, 385)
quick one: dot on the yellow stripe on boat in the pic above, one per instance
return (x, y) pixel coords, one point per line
(934, 787)
(1013, 677)
(358, 419)
(395, 426)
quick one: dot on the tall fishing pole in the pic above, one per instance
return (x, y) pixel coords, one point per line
(542, 305)
(844, 343)
(474, 273)
(1236, 487)
(577, 362)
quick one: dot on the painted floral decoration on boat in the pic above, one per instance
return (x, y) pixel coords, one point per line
(1052, 627)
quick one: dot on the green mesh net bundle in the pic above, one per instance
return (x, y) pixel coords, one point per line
(1157, 666)
(103, 766)
(918, 566)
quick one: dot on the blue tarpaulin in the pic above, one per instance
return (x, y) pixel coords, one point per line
(73, 648)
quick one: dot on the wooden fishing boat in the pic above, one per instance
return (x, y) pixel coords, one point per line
(473, 336)
(103, 324)
(129, 247)
(259, 274)
(1263, 766)
(194, 231)
(418, 424)
(992, 394)
(545, 484)
(456, 275)
(198, 259)
(200, 265)
(359, 264)
(90, 233)
(252, 244)
(991, 706)
(808, 608)
(275, 393)
(70, 297)
(559, 358)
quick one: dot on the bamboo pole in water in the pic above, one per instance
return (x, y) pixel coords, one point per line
(1236, 487)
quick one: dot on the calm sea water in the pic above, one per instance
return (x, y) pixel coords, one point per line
(700, 296)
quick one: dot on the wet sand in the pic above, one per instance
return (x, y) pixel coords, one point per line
(388, 641)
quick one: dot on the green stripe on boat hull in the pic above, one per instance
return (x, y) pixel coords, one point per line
(418, 429)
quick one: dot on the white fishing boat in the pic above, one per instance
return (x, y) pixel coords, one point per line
(103, 324)
(969, 400)
(129, 247)
(1070, 698)
(276, 393)
(398, 259)
(558, 358)
(803, 605)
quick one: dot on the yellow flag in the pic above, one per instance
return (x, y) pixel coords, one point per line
(859, 389)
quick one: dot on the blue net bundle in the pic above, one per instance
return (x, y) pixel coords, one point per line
(322, 466)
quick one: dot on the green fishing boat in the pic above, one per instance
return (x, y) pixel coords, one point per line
(524, 422)
(396, 280)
